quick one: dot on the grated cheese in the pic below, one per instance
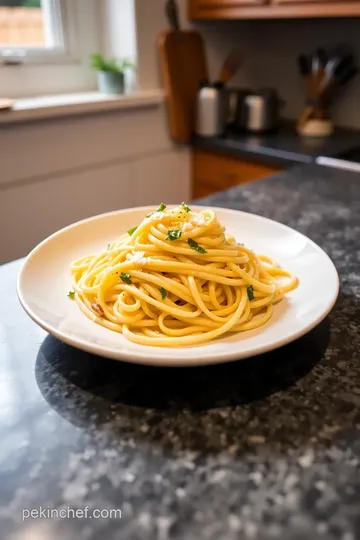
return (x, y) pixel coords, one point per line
(138, 257)
(156, 215)
(199, 219)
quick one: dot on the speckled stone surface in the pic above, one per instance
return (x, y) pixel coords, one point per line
(266, 448)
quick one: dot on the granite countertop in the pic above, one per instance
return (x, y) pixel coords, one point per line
(284, 147)
(262, 449)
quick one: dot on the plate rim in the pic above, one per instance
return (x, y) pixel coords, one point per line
(153, 359)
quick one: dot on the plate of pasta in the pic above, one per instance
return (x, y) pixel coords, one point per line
(177, 285)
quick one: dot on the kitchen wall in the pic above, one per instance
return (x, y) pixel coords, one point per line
(55, 172)
(271, 49)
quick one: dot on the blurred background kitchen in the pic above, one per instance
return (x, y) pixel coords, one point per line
(69, 151)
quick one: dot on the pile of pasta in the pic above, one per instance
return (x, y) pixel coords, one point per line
(177, 279)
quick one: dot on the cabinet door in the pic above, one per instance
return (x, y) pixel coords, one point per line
(295, 2)
(273, 9)
(213, 172)
(228, 4)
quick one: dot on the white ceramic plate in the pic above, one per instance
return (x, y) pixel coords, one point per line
(44, 281)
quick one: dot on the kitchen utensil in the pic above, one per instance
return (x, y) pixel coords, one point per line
(232, 63)
(172, 14)
(183, 66)
(317, 71)
(325, 81)
(304, 64)
(322, 57)
(305, 116)
(236, 99)
(339, 59)
(316, 128)
(342, 67)
(315, 63)
(258, 111)
(212, 110)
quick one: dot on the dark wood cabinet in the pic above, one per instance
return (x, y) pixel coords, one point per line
(215, 172)
(265, 9)
(228, 4)
(299, 2)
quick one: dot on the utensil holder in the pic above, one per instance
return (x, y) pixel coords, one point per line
(315, 120)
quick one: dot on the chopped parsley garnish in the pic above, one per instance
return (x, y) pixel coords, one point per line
(250, 292)
(163, 293)
(195, 245)
(173, 235)
(161, 208)
(108, 247)
(71, 294)
(126, 278)
(185, 207)
(132, 230)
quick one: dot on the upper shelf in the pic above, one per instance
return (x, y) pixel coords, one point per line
(272, 9)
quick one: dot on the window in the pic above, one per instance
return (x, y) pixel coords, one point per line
(45, 45)
(22, 24)
(31, 29)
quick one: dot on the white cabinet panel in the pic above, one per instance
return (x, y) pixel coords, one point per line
(43, 148)
(31, 212)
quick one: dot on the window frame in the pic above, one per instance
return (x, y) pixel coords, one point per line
(76, 28)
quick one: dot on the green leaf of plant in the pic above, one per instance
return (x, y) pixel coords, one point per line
(113, 65)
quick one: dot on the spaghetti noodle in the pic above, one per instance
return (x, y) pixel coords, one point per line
(177, 279)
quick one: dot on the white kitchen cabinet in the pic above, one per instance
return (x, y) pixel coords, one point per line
(31, 212)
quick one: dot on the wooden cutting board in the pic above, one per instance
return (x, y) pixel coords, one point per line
(183, 65)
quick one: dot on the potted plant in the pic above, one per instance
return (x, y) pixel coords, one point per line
(111, 73)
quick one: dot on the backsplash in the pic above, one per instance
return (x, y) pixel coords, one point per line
(271, 48)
